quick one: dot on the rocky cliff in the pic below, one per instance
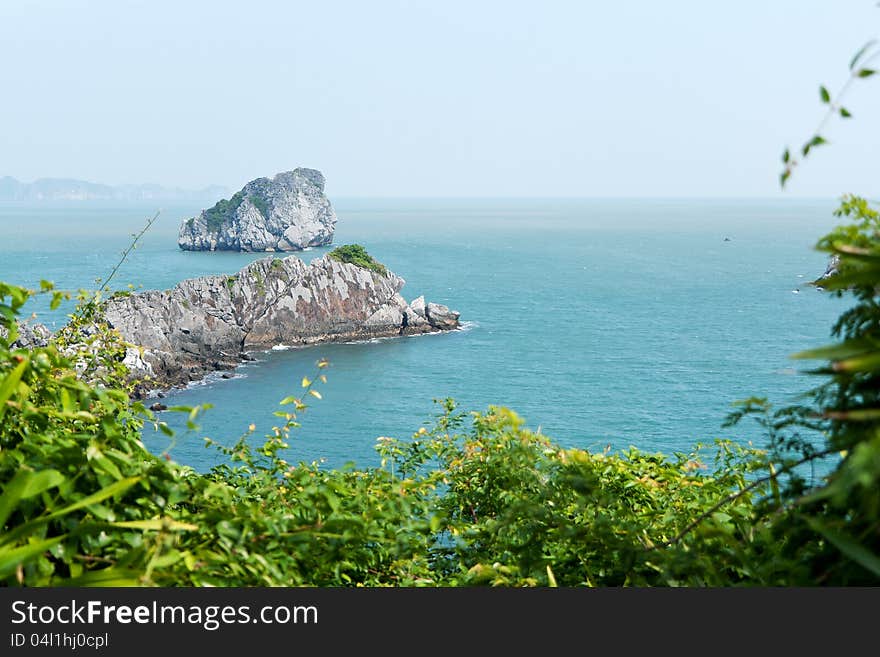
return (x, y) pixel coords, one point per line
(286, 213)
(30, 335)
(209, 323)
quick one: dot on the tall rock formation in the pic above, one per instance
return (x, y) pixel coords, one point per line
(286, 213)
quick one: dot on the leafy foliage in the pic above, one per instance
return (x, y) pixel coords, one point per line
(222, 212)
(260, 204)
(356, 254)
(859, 68)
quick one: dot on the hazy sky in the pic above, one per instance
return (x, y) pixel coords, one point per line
(540, 98)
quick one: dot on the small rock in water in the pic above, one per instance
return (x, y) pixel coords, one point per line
(158, 407)
(226, 375)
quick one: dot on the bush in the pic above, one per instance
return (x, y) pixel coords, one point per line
(222, 212)
(356, 254)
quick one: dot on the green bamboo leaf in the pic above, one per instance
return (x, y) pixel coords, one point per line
(551, 578)
(824, 95)
(9, 384)
(868, 363)
(845, 113)
(11, 558)
(26, 484)
(112, 576)
(848, 546)
(92, 500)
(108, 491)
(866, 72)
(156, 525)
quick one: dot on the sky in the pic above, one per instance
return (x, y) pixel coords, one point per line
(636, 98)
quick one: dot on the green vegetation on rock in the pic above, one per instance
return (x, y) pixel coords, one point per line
(222, 212)
(260, 204)
(356, 254)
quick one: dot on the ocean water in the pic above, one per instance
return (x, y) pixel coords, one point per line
(601, 322)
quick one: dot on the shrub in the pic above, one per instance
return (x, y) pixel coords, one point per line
(356, 254)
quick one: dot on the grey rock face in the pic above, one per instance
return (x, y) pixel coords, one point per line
(831, 270)
(418, 305)
(29, 336)
(207, 323)
(286, 213)
(441, 317)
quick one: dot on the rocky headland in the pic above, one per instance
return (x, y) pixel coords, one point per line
(210, 323)
(30, 335)
(288, 212)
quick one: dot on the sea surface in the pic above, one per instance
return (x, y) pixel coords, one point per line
(613, 322)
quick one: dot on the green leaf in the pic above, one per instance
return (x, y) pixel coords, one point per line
(867, 363)
(156, 525)
(845, 113)
(108, 491)
(8, 385)
(26, 484)
(824, 95)
(866, 72)
(112, 576)
(551, 578)
(11, 558)
(786, 156)
(93, 499)
(817, 140)
(860, 53)
(848, 545)
(845, 349)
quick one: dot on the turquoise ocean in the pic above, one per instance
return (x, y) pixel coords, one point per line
(612, 322)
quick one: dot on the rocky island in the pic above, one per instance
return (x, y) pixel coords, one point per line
(288, 212)
(209, 323)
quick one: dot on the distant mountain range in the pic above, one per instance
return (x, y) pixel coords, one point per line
(64, 189)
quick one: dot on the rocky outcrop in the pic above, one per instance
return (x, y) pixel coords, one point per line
(286, 213)
(832, 269)
(208, 323)
(29, 336)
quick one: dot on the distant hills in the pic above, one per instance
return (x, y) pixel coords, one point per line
(65, 189)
